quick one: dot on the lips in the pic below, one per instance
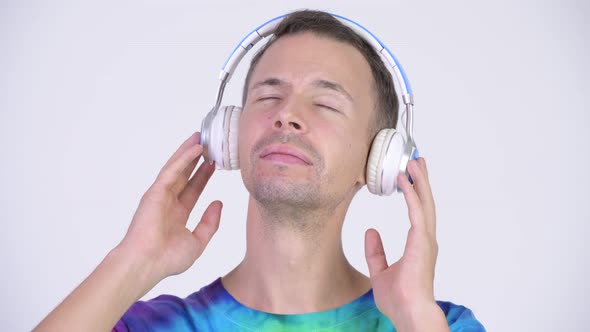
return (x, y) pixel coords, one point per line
(284, 153)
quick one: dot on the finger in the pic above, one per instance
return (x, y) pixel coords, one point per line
(415, 212)
(208, 225)
(421, 183)
(192, 140)
(418, 176)
(170, 176)
(186, 173)
(422, 163)
(374, 253)
(190, 194)
(417, 170)
(430, 200)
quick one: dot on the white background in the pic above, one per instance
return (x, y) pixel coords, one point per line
(95, 97)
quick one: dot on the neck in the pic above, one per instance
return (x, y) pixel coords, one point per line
(294, 262)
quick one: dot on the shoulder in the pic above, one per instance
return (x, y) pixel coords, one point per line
(460, 318)
(164, 312)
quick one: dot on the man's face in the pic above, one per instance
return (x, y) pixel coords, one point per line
(303, 138)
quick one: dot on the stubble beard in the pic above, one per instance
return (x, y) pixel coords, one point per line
(286, 202)
(283, 200)
(282, 192)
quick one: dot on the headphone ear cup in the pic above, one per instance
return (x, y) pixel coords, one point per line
(222, 140)
(374, 162)
(227, 137)
(230, 140)
(383, 164)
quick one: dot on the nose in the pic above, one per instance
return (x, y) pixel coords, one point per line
(280, 123)
(290, 118)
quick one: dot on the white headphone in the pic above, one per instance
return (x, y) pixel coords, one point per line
(390, 152)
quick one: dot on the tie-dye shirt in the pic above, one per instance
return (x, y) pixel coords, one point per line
(213, 309)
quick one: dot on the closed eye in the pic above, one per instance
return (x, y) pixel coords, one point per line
(327, 107)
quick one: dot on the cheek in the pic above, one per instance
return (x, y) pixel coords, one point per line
(346, 150)
(244, 137)
(249, 133)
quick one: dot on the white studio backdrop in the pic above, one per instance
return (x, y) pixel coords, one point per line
(95, 97)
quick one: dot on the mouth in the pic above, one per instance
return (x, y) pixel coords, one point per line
(285, 154)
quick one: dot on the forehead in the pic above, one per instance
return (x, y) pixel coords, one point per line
(307, 57)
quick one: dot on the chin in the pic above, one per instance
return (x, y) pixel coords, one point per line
(280, 191)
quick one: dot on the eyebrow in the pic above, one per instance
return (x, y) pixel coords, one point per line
(273, 81)
(269, 82)
(333, 86)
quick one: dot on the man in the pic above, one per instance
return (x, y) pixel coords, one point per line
(314, 98)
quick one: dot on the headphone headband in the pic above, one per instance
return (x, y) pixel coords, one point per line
(268, 27)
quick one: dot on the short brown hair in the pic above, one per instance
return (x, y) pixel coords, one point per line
(326, 25)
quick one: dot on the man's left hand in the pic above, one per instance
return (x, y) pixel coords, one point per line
(404, 291)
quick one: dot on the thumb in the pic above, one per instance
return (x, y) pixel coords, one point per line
(374, 252)
(208, 225)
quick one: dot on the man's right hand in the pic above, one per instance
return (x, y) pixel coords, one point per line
(157, 244)
(158, 232)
